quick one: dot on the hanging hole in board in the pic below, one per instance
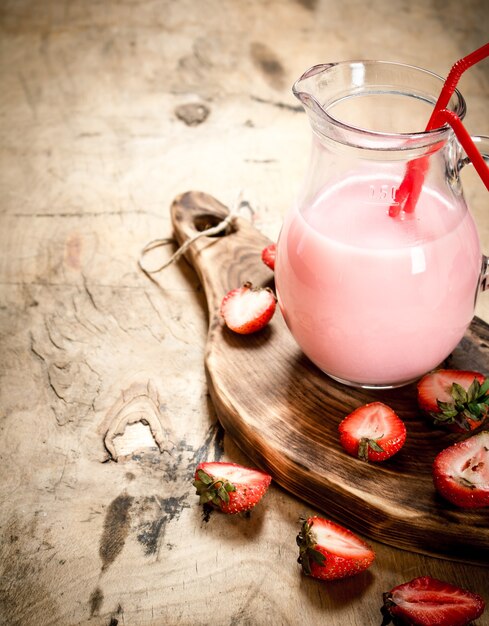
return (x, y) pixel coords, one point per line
(205, 222)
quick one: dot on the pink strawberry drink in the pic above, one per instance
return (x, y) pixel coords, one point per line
(370, 299)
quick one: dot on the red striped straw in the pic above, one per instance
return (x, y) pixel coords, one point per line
(449, 117)
(407, 194)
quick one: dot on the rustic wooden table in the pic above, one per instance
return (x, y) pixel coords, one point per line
(107, 112)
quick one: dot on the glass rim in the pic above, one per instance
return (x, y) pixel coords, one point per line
(433, 135)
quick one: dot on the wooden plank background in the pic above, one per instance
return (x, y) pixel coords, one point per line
(97, 138)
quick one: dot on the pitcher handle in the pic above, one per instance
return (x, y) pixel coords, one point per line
(484, 281)
(482, 143)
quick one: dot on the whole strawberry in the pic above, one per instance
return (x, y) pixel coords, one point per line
(248, 309)
(426, 601)
(456, 399)
(329, 551)
(461, 472)
(268, 255)
(373, 432)
(230, 487)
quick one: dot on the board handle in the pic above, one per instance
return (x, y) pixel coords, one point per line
(223, 261)
(194, 212)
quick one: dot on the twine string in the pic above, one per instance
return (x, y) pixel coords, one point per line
(207, 232)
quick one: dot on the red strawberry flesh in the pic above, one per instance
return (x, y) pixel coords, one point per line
(247, 309)
(230, 487)
(372, 432)
(426, 601)
(461, 472)
(329, 551)
(436, 386)
(454, 398)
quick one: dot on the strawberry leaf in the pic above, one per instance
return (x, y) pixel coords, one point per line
(467, 406)
(365, 444)
(205, 497)
(458, 393)
(448, 409)
(473, 391)
(372, 443)
(211, 489)
(473, 410)
(204, 477)
(306, 540)
(462, 421)
(223, 494)
(484, 388)
(316, 556)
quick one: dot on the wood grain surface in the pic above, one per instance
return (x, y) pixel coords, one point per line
(284, 412)
(108, 111)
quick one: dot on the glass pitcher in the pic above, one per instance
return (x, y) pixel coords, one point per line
(377, 297)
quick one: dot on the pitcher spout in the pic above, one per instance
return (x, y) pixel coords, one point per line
(310, 88)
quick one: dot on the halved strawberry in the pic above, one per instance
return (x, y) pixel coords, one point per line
(229, 486)
(373, 432)
(330, 551)
(426, 601)
(248, 309)
(461, 472)
(268, 255)
(457, 399)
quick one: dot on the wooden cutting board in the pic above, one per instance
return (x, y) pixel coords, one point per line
(284, 413)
